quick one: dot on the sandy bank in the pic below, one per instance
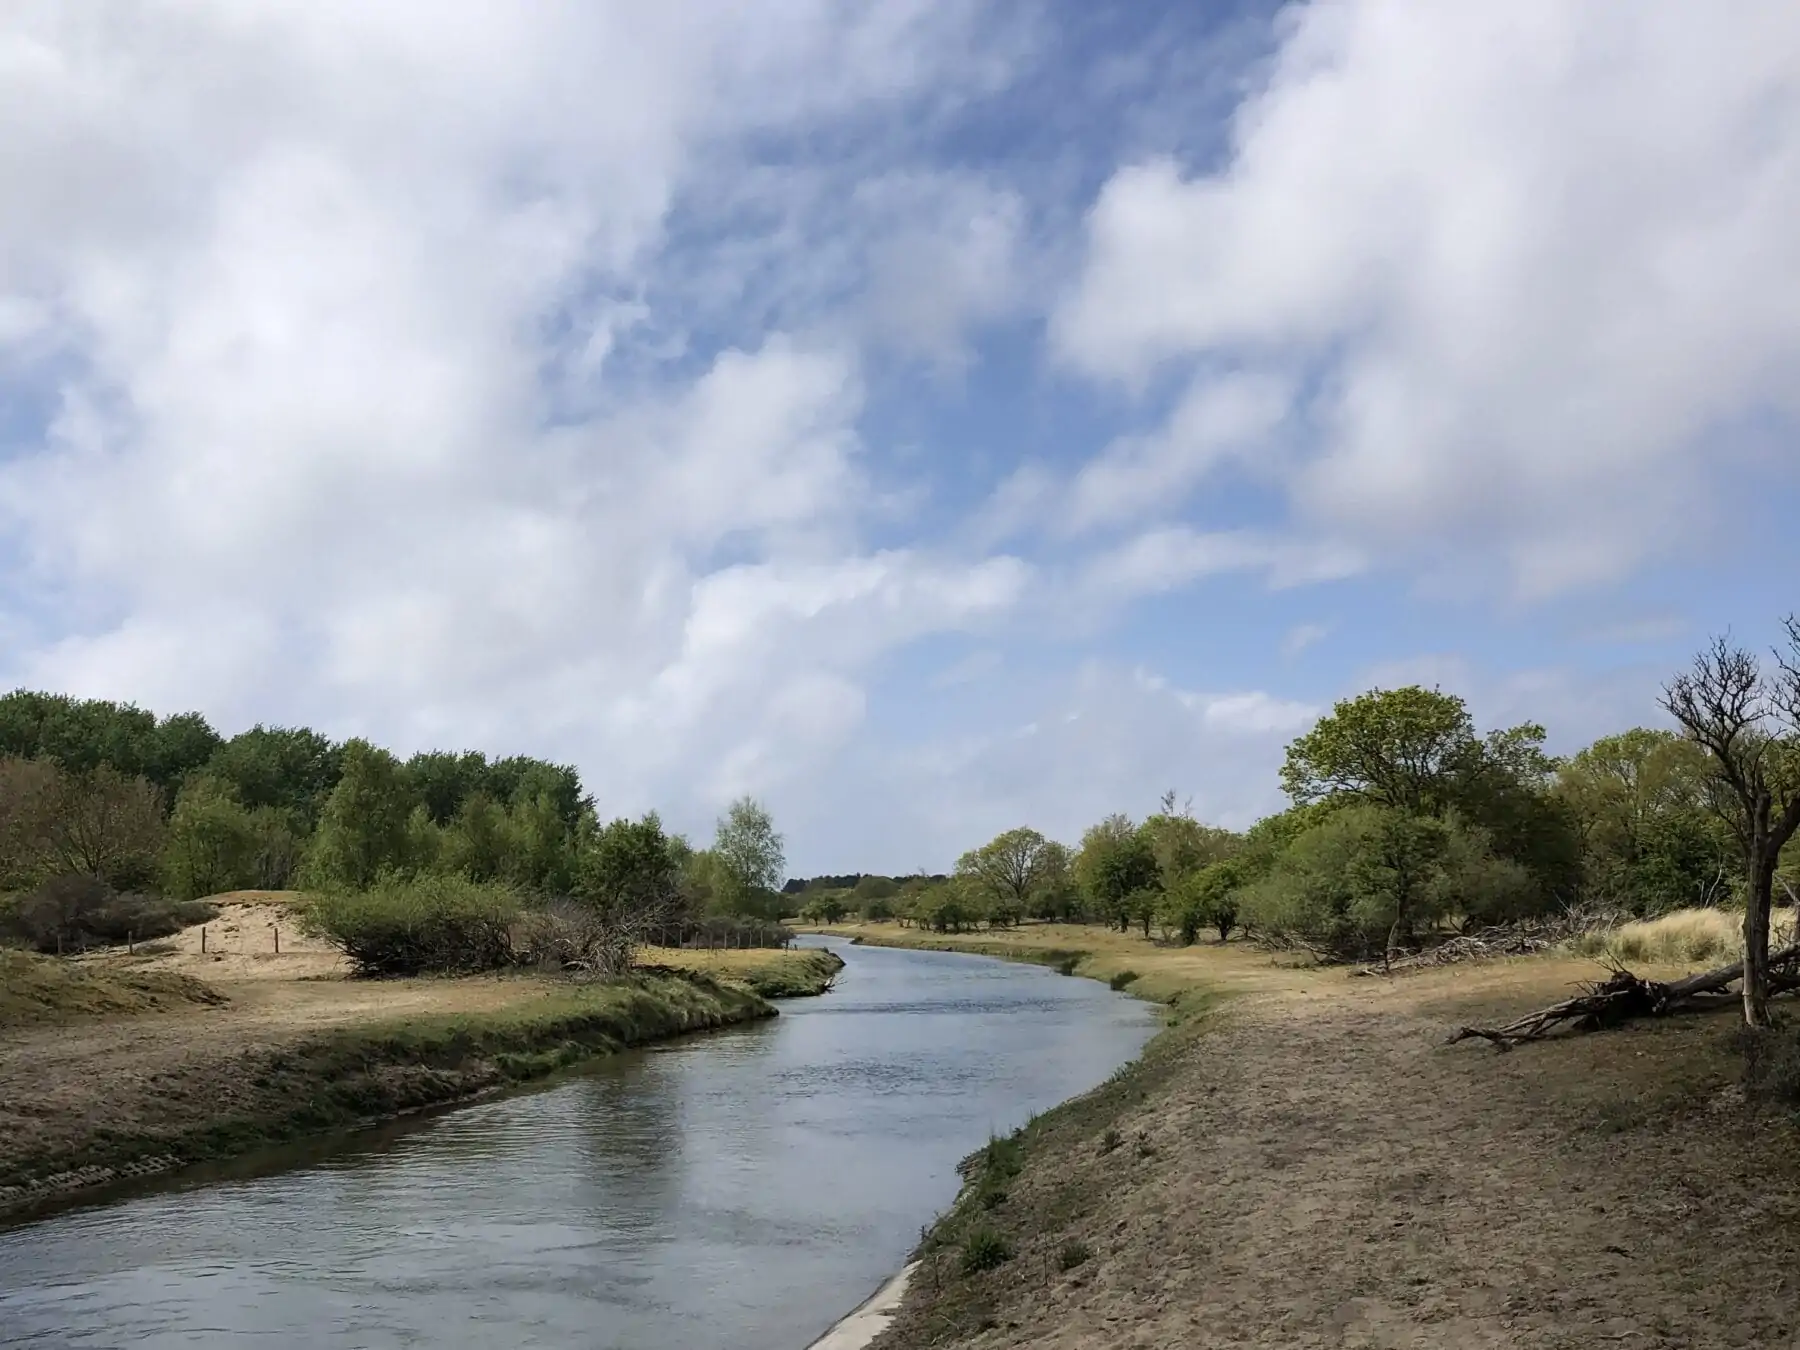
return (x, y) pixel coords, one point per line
(861, 1327)
(1307, 1164)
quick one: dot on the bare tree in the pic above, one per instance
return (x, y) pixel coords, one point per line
(106, 825)
(1748, 722)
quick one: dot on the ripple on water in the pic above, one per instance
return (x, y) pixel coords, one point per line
(741, 1189)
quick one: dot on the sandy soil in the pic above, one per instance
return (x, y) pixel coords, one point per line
(241, 944)
(1319, 1169)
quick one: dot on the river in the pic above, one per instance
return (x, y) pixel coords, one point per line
(740, 1189)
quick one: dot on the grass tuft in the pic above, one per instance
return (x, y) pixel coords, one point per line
(1703, 937)
(984, 1248)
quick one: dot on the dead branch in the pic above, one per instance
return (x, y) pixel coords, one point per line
(1623, 996)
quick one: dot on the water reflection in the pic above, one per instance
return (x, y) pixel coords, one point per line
(735, 1190)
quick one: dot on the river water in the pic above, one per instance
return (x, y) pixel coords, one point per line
(741, 1189)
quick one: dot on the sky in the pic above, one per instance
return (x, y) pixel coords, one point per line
(928, 417)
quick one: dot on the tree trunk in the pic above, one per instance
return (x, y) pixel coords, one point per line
(1756, 939)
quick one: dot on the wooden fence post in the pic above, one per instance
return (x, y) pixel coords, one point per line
(277, 928)
(203, 939)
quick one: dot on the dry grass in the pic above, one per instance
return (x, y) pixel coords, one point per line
(43, 989)
(1685, 937)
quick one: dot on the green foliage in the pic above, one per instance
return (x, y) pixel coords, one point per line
(1640, 805)
(984, 1247)
(98, 823)
(1073, 1253)
(428, 924)
(290, 769)
(1395, 747)
(445, 779)
(1357, 884)
(747, 862)
(212, 844)
(363, 829)
(1008, 872)
(1204, 899)
(876, 911)
(81, 735)
(628, 868)
(1117, 869)
(829, 907)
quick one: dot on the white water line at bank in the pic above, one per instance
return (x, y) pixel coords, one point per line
(862, 1326)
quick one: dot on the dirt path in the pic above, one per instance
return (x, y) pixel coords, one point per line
(1320, 1170)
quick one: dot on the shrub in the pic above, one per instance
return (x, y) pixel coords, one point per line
(1074, 1253)
(440, 924)
(878, 910)
(1122, 979)
(563, 935)
(71, 913)
(983, 1248)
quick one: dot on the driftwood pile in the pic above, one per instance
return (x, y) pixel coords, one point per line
(1487, 944)
(1623, 996)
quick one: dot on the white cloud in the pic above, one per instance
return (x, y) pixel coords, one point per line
(1152, 474)
(1162, 559)
(1105, 739)
(1303, 635)
(382, 396)
(1536, 260)
(1574, 705)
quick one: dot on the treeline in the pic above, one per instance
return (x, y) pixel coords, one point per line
(1404, 819)
(140, 805)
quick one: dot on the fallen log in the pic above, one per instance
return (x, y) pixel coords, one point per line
(1623, 996)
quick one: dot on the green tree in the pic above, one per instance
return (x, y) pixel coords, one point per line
(1399, 748)
(293, 769)
(543, 847)
(446, 779)
(1359, 882)
(521, 778)
(363, 827)
(1180, 844)
(748, 860)
(1205, 897)
(478, 842)
(212, 842)
(181, 747)
(1649, 843)
(1116, 868)
(1007, 870)
(280, 849)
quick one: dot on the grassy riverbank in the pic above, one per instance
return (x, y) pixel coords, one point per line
(800, 972)
(130, 1066)
(1298, 1159)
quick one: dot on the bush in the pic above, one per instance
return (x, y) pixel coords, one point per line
(437, 924)
(1073, 1253)
(564, 935)
(879, 910)
(1122, 979)
(984, 1247)
(72, 913)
